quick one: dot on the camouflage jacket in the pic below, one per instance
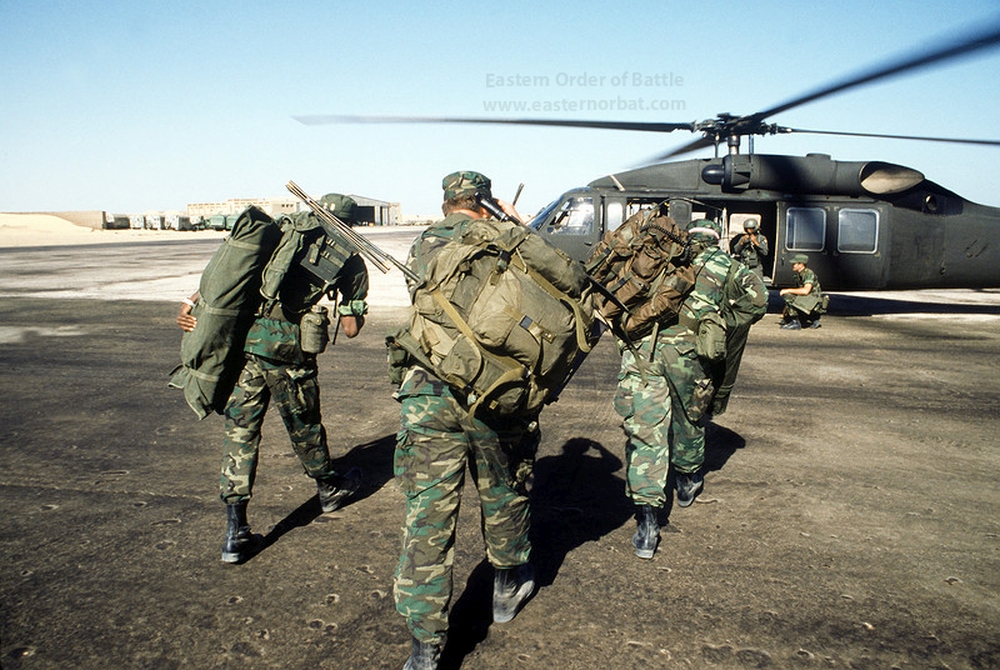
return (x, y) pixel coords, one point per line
(275, 335)
(711, 268)
(431, 240)
(807, 276)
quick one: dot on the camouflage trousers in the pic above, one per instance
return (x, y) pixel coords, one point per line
(436, 443)
(662, 399)
(295, 393)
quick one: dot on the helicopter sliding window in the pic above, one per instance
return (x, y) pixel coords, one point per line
(614, 215)
(575, 217)
(805, 229)
(858, 231)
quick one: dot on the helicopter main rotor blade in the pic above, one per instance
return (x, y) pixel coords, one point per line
(954, 140)
(694, 145)
(647, 126)
(962, 47)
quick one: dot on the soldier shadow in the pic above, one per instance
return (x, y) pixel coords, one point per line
(575, 499)
(375, 461)
(720, 444)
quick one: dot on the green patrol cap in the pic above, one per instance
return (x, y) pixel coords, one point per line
(459, 184)
(800, 258)
(341, 206)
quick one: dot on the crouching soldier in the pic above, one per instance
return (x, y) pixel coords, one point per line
(805, 302)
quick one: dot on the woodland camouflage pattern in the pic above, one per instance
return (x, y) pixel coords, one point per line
(664, 389)
(458, 184)
(295, 394)
(437, 438)
(805, 304)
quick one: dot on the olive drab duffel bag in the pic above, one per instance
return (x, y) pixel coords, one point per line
(246, 271)
(500, 315)
(643, 268)
(228, 298)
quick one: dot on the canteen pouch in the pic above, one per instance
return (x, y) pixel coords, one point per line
(314, 330)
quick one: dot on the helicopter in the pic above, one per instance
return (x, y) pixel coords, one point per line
(864, 225)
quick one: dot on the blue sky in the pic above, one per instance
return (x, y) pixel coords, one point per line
(140, 105)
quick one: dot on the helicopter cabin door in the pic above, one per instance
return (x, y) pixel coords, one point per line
(845, 242)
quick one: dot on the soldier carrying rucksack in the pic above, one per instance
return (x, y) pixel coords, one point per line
(499, 318)
(677, 302)
(252, 334)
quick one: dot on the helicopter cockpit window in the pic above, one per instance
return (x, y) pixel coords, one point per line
(805, 229)
(858, 231)
(614, 215)
(575, 217)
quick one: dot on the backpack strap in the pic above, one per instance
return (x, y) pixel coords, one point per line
(514, 369)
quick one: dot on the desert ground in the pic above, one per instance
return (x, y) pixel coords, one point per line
(851, 516)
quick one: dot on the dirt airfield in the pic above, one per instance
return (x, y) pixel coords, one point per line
(851, 517)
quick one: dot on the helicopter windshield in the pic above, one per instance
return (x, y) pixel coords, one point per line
(574, 216)
(543, 214)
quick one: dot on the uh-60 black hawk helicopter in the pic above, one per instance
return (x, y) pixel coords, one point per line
(865, 225)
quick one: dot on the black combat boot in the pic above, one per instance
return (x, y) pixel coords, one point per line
(239, 542)
(511, 589)
(647, 533)
(792, 324)
(689, 485)
(423, 656)
(333, 491)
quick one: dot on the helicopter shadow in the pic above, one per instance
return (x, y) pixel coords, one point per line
(575, 498)
(851, 304)
(374, 459)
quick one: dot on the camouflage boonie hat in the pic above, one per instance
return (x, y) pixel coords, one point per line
(464, 183)
(800, 258)
(341, 206)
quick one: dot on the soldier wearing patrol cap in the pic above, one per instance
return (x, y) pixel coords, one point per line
(279, 367)
(805, 302)
(438, 441)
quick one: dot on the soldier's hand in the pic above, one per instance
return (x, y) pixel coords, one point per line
(185, 319)
(510, 211)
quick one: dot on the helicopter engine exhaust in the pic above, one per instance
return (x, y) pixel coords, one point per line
(815, 173)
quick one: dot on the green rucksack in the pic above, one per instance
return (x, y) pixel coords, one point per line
(500, 315)
(305, 241)
(643, 268)
(228, 298)
(745, 296)
(242, 278)
(744, 304)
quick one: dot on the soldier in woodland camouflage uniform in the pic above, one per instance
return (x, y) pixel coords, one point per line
(665, 390)
(804, 302)
(437, 441)
(277, 369)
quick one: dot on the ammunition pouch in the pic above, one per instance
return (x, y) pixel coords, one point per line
(710, 340)
(399, 357)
